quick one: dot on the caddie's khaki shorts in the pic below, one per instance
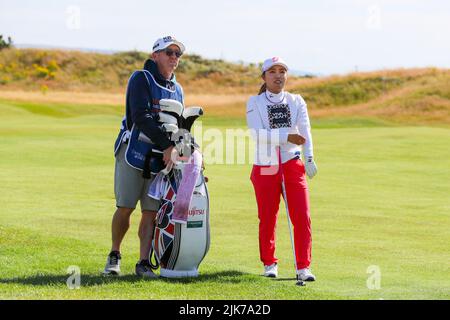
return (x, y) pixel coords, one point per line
(130, 186)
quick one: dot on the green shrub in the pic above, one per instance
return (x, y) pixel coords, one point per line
(5, 79)
(5, 44)
(52, 66)
(41, 72)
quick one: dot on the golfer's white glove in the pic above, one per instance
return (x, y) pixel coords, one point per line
(310, 167)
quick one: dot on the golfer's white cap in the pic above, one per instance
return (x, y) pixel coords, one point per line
(274, 61)
(164, 42)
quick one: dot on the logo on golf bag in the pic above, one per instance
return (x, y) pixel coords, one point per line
(195, 211)
(164, 232)
(166, 209)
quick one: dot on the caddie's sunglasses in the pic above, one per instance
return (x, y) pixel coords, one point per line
(171, 52)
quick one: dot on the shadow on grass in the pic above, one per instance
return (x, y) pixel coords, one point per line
(286, 279)
(230, 276)
(280, 279)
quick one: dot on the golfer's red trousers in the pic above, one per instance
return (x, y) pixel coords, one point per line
(268, 190)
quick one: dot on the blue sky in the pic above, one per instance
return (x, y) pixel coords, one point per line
(321, 36)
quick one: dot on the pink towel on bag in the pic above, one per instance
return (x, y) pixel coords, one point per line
(191, 172)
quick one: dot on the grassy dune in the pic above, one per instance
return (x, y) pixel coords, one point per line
(415, 96)
(37, 69)
(52, 77)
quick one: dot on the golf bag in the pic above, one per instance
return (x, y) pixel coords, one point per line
(179, 248)
(182, 234)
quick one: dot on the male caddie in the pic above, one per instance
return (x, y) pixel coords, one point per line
(145, 89)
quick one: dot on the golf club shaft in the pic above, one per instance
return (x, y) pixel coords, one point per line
(283, 188)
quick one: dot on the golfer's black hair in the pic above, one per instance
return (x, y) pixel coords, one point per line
(263, 87)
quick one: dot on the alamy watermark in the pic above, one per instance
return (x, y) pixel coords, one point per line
(73, 17)
(234, 146)
(373, 282)
(74, 280)
(373, 21)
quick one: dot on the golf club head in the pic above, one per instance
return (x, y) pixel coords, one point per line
(169, 127)
(301, 283)
(167, 118)
(189, 116)
(173, 114)
(170, 105)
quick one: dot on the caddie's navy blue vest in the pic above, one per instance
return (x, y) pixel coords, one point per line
(137, 149)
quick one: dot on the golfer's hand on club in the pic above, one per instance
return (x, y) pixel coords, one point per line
(296, 139)
(310, 167)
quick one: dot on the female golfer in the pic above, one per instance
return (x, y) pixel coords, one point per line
(280, 124)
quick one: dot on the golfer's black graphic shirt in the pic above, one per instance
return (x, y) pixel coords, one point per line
(279, 115)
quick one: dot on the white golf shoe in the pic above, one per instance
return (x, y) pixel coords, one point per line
(305, 275)
(271, 271)
(112, 266)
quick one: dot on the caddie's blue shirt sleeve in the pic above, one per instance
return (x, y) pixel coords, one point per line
(139, 102)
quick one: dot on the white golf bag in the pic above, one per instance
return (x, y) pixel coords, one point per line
(179, 248)
(179, 245)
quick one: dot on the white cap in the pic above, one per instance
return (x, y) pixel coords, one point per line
(164, 42)
(274, 61)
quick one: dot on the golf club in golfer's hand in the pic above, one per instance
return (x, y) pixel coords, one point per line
(283, 188)
(310, 167)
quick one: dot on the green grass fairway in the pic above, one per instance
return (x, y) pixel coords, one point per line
(381, 198)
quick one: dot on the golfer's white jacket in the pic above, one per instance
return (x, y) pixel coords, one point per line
(270, 118)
